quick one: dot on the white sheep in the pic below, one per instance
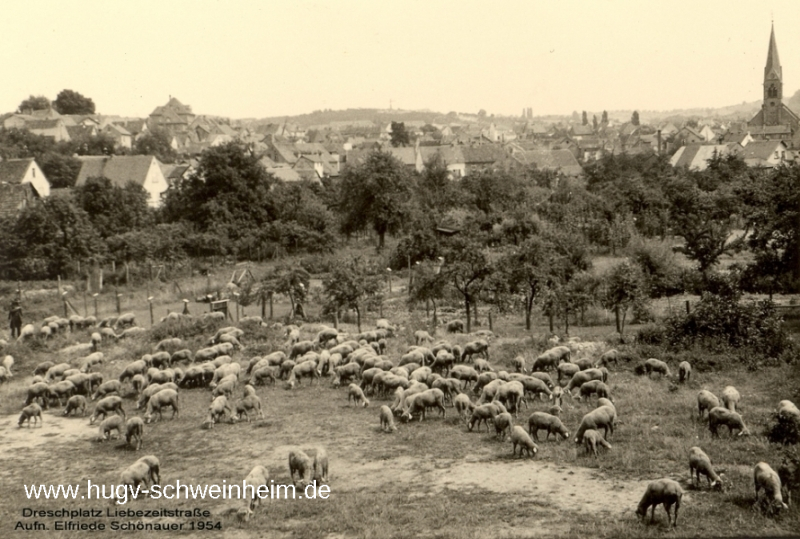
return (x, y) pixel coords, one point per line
(114, 422)
(730, 398)
(722, 416)
(548, 422)
(706, 401)
(767, 479)
(355, 393)
(217, 409)
(522, 439)
(387, 419)
(134, 430)
(503, 423)
(300, 463)
(31, 411)
(255, 480)
(8, 362)
(591, 438)
(789, 410)
(661, 491)
(656, 365)
(320, 465)
(76, 402)
(700, 463)
(247, 405)
(684, 371)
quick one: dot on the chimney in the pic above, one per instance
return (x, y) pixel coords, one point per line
(658, 134)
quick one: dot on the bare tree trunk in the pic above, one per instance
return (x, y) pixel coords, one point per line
(358, 318)
(466, 308)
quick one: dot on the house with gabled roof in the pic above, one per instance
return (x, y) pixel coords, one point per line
(696, 156)
(766, 153)
(144, 170)
(19, 171)
(54, 129)
(174, 116)
(120, 135)
(562, 161)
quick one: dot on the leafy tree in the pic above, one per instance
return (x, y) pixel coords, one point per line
(594, 122)
(61, 170)
(399, 135)
(100, 144)
(375, 193)
(624, 288)
(156, 142)
(482, 114)
(71, 102)
(493, 192)
(584, 119)
(527, 270)
(349, 284)
(428, 286)
(18, 143)
(467, 266)
(635, 117)
(113, 210)
(604, 118)
(292, 281)
(436, 191)
(38, 102)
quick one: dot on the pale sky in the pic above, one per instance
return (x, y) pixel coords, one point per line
(268, 58)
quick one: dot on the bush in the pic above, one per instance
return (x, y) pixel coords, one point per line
(783, 430)
(652, 334)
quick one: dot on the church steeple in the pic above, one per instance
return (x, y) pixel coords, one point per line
(773, 84)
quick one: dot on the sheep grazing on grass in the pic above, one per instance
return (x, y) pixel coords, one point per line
(664, 492)
(551, 358)
(107, 406)
(320, 465)
(217, 409)
(522, 439)
(518, 364)
(730, 398)
(706, 401)
(258, 478)
(503, 424)
(355, 393)
(482, 365)
(700, 463)
(567, 370)
(478, 347)
(301, 464)
(134, 430)
(420, 402)
(31, 411)
(722, 416)
(549, 422)
(684, 371)
(656, 365)
(38, 392)
(511, 394)
(464, 373)
(455, 326)
(485, 413)
(145, 471)
(595, 387)
(346, 373)
(111, 423)
(76, 403)
(601, 417)
(156, 404)
(247, 405)
(611, 356)
(449, 387)
(767, 479)
(107, 388)
(308, 369)
(463, 406)
(8, 362)
(42, 368)
(387, 419)
(125, 320)
(787, 409)
(591, 438)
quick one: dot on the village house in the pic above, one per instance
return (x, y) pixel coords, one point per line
(696, 156)
(766, 153)
(22, 171)
(144, 170)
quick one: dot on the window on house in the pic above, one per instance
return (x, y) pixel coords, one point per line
(776, 155)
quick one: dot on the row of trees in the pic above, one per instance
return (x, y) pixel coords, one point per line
(66, 102)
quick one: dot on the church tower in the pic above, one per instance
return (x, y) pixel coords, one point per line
(773, 84)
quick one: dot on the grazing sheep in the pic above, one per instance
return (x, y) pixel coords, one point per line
(31, 411)
(449, 387)
(56, 372)
(37, 391)
(138, 382)
(387, 419)
(582, 377)
(42, 368)
(64, 389)
(583, 363)
(602, 417)
(788, 410)
(455, 326)
(258, 478)
(307, 368)
(511, 394)
(226, 387)
(8, 362)
(483, 379)
(145, 471)
(132, 369)
(345, 373)
(247, 405)
(320, 465)
(700, 463)
(301, 348)
(549, 422)
(706, 401)
(134, 430)
(27, 331)
(722, 416)
(522, 439)
(76, 403)
(300, 463)
(595, 387)
(684, 371)
(766, 478)
(730, 398)
(217, 409)
(607, 357)
(503, 424)
(105, 407)
(161, 360)
(482, 365)
(518, 364)
(165, 397)
(463, 405)
(464, 373)
(125, 320)
(420, 402)
(484, 413)
(260, 375)
(661, 491)
(551, 358)
(656, 365)
(591, 438)
(479, 346)
(107, 388)
(111, 423)
(355, 393)
(544, 377)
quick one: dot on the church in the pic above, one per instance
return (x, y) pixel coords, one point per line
(775, 121)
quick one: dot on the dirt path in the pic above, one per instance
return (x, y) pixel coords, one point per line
(53, 429)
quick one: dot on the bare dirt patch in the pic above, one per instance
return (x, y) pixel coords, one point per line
(54, 429)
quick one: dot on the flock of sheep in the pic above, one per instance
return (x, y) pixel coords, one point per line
(431, 375)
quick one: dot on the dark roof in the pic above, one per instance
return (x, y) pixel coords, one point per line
(762, 149)
(773, 61)
(42, 124)
(13, 170)
(120, 169)
(15, 198)
(559, 160)
(79, 131)
(483, 153)
(582, 130)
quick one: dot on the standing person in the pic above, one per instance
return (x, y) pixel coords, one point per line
(15, 318)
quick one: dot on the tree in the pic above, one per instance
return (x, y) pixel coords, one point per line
(156, 142)
(635, 117)
(527, 271)
(482, 114)
(594, 122)
(436, 191)
(18, 143)
(584, 118)
(428, 286)
(604, 118)
(293, 281)
(624, 288)
(349, 283)
(71, 102)
(399, 135)
(113, 210)
(33, 103)
(375, 192)
(466, 267)
(61, 170)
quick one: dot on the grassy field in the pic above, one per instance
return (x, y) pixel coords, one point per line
(429, 479)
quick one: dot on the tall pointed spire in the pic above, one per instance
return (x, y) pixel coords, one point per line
(773, 61)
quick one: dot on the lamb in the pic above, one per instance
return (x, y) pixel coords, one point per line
(521, 438)
(684, 371)
(730, 398)
(31, 411)
(134, 429)
(551, 358)
(109, 424)
(165, 397)
(602, 417)
(387, 419)
(76, 402)
(217, 409)
(591, 438)
(502, 424)
(548, 422)
(248, 404)
(656, 365)
(706, 401)
(722, 416)
(106, 406)
(700, 463)
(256, 480)
(661, 491)
(422, 401)
(355, 393)
(300, 463)
(766, 478)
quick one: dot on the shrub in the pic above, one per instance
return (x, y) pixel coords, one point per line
(652, 334)
(783, 430)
